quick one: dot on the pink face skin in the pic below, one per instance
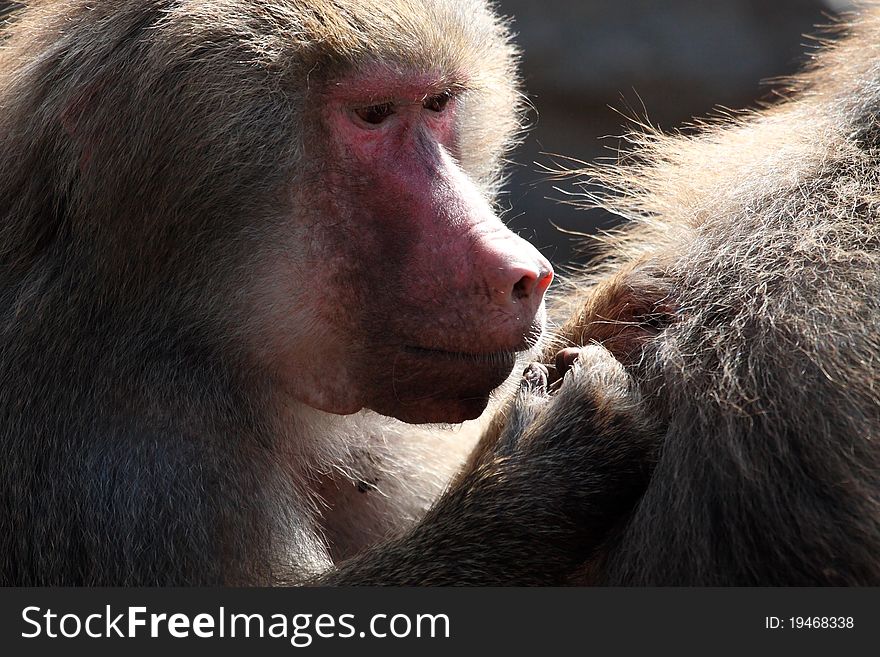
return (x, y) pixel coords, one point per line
(402, 291)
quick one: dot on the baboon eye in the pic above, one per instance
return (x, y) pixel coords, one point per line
(437, 103)
(375, 114)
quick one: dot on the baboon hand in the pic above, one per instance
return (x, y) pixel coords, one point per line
(585, 440)
(587, 390)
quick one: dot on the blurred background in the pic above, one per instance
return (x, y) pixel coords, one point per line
(587, 61)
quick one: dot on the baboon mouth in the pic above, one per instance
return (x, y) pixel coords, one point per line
(506, 356)
(473, 357)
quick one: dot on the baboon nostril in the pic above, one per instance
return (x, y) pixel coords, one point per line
(523, 287)
(530, 284)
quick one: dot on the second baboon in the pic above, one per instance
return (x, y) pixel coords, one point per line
(744, 300)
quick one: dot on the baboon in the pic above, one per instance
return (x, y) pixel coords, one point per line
(243, 242)
(743, 300)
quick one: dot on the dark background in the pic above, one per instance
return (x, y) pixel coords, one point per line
(587, 64)
(587, 61)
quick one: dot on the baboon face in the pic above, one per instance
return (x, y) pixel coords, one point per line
(398, 288)
(300, 189)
